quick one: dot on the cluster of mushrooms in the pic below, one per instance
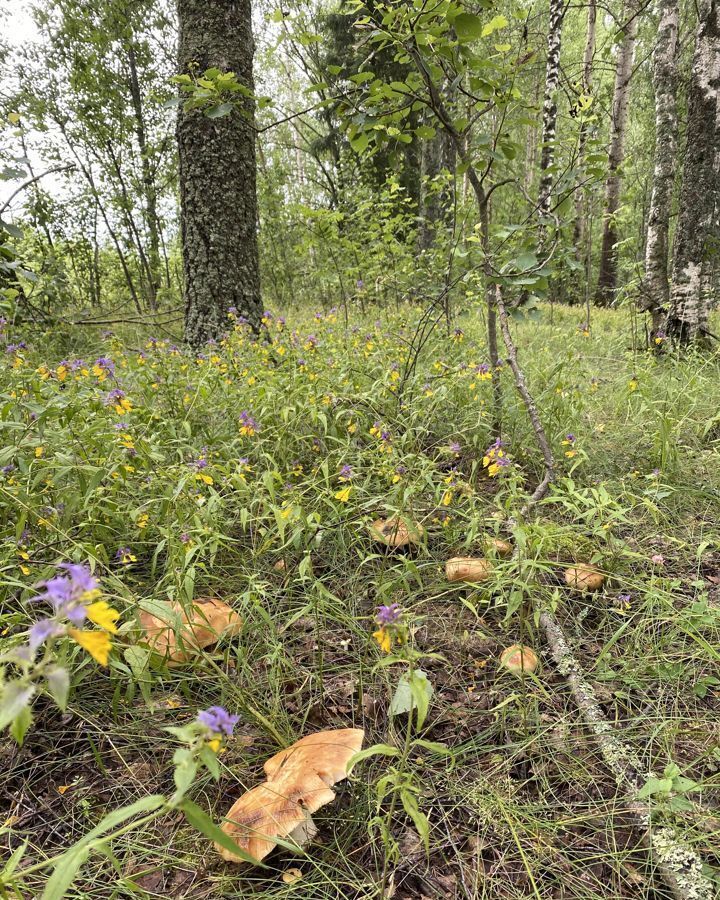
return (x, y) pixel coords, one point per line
(397, 533)
(299, 779)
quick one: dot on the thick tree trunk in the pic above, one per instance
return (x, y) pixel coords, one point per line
(579, 228)
(217, 175)
(655, 288)
(150, 191)
(688, 313)
(607, 277)
(549, 124)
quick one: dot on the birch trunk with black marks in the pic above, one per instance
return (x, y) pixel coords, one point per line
(549, 123)
(655, 288)
(607, 277)
(217, 175)
(689, 303)
(581, 211)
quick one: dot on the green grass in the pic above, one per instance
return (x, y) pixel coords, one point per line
(522, 806)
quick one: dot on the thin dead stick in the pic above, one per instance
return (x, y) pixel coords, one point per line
(530, 405)
(678, 864)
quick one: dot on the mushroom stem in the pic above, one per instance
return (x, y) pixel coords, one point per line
(678, 864)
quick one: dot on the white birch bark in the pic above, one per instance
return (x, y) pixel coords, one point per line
(607, 277)
(549, 126)
(689, 303)
(656, 289)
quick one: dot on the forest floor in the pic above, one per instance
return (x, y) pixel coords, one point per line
(522, 806)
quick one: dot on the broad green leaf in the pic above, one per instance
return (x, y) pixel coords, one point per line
(493, 25)
(467, 27)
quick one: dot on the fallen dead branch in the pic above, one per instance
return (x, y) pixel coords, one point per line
(678, 864)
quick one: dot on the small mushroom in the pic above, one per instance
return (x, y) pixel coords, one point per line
(280, 566)
(396, 532)
(518, 659)
(299, 782)
(584, 578)
(501, 547)
(468, 568)
(179, 634)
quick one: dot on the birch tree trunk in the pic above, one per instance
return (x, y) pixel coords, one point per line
(607, 277)
(217, 175)
(549, 124)
(689, 303)
(656, 289)
(580, 193)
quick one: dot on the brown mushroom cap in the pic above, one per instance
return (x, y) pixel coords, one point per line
(180, 634)
(519, 659)
(327, 753)
(396, 532)
(299, 782)
(501, 547)
(584, 578)
(468, 568)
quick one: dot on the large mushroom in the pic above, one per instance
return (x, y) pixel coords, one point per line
(396, 532)
(299, 781)
(584, 578)
(468, 568)
(178, 634)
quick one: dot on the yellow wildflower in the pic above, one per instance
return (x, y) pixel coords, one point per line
(344, 495)
(102, 614)
(96, 643)
(382, 636)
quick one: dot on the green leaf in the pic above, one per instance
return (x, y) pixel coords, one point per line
(494, 24)
(185, 769)
(58, 685)
(204, 824)
(414, 691)
(360, 142)
(375, 750)
(21, 723)
(467, 27)
(216, 112)
(16, 696)
(655, 786)
(64, 873)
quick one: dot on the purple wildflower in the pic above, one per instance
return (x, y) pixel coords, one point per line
(346, 473)
(388, 615)
(41, 631)
(218, 720)
(455, 447)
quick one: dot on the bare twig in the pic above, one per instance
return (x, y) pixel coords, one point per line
(529, 403)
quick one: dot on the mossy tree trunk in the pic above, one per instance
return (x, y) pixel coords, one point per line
(217, 175)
